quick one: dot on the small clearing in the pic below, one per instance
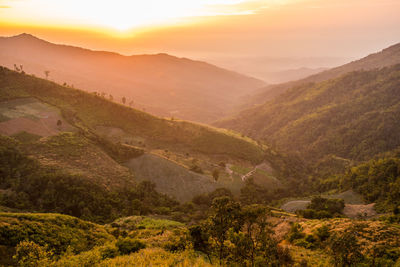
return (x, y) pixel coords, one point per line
(31, 116)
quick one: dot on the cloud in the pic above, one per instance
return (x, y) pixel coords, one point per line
(4, 6)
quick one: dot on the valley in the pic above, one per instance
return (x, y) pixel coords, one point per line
(118, 147)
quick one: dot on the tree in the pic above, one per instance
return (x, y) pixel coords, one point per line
(345, 248)
(111, 97)
(224, 217)
(29, 253)
(200, 240)
(252, 193)
(47, 73)
(123, 100)
(254, 241)
(59, 123)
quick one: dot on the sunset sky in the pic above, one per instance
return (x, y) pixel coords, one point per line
(211, 28)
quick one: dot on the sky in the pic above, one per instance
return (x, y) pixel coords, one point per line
(211, 28)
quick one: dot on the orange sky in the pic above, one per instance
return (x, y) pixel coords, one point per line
(211, 28)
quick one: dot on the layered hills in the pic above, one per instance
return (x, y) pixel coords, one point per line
(387, 57)
(161, 84)
(115, 146)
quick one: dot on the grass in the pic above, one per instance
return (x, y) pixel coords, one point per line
(26, 137)
(134, 222)
(158, 257)
(240, 169)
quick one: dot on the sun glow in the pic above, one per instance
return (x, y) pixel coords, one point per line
(117, 14)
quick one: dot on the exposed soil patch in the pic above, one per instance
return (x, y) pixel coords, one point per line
(359, 211)
(31, 116)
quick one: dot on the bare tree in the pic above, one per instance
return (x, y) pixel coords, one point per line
(47, 73)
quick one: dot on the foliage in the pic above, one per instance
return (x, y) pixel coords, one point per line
(252, 193)
(323, 208)
(31, 186)
(238, 235)
(49, 232)
(378, 181)
(129, 245)
(345, 249)
(334, 122)
(29, 254)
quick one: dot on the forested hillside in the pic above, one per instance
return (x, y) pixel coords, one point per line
(332, 123)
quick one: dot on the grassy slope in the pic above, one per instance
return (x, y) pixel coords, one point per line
(353, 117)
(88, 111)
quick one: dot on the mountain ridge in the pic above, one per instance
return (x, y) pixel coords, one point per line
(386, 57)
(162, 84)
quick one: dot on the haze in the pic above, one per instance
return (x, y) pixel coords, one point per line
(211, 29)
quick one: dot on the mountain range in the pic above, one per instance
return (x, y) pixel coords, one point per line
(161, 84)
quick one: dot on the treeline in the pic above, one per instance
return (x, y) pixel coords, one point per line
(26, 185)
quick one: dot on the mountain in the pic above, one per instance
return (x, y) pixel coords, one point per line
(287, 75)
(334, 122)
(387, 57)
(87, 137)
(161, 84)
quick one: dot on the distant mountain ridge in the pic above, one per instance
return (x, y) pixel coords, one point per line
(387, 57)
(162, 84)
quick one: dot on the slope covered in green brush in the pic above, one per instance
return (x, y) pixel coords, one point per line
(331, 123)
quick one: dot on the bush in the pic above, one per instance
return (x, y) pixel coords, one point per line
(109, 252)
(129, 245)
(322, 233)
(29, 253)
(295, 232)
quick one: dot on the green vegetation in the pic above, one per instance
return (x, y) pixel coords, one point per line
(29, 186)
(58, 232)
(377, 181)
(238, 235)
(323, 208)
(332, 123)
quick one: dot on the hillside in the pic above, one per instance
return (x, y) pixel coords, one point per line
(330, 124)
(161, 84)
(385, 58)
(88, 137)
(59, 240)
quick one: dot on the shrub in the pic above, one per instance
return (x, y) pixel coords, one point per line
(129, 245)
(109, 252)
(322, 233)
(295, 232)
(29, 253)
